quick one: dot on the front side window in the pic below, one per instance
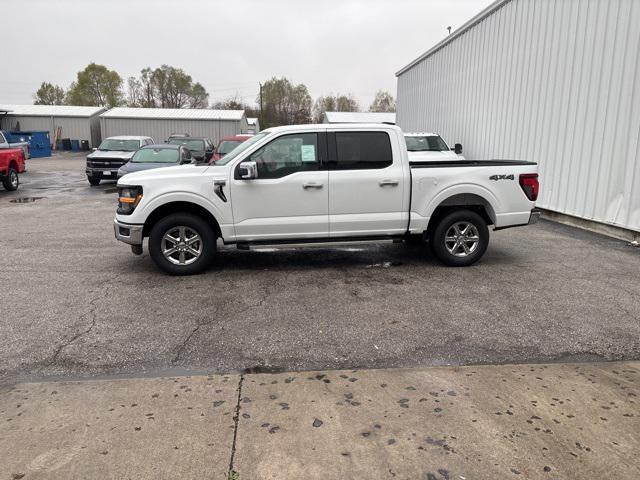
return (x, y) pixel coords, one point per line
(427, 143)
(362, 150)
(286, 155)
(156, 155)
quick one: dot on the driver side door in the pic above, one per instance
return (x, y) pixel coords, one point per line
(289, 199)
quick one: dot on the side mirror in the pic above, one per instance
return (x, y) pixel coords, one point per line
(248, 170)
(457, 149)
(95, 149)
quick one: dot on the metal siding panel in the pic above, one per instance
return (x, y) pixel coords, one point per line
(160, 129)
(551, 81)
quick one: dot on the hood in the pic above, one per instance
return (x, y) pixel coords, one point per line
(434, 156)
(157, 172)
(138, 167)
(111, 154)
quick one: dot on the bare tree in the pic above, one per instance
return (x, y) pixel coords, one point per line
(383, 102)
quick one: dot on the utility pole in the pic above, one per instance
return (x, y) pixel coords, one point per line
(261, 115)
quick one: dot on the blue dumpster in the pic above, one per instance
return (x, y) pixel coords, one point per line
(39, 142)
(75, 145)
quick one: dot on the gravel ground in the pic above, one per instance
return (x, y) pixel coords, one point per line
(77, 303)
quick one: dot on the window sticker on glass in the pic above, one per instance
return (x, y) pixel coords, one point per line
(308, 153)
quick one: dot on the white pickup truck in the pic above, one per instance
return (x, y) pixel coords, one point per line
(322, 183)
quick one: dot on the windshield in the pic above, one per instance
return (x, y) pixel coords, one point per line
(227, 145)
(431, 143)
(241, 148)
(190, 144)
(113, 144)
(156, 155)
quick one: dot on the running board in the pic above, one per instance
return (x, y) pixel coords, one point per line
(320, 243)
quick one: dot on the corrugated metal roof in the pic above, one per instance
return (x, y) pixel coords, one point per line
(51, 110)
(359, 117)
(174, 113)
(474, 21)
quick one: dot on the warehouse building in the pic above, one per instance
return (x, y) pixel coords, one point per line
(358, 117)
(160, 123)
(254, 125)
(551, 81)
(76, 123)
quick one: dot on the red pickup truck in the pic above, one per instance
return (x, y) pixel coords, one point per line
(11, 164)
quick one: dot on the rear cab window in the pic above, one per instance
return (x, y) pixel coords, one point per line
(360, 150)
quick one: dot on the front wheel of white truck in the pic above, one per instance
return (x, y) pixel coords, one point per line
(460, 238)
(182, 244)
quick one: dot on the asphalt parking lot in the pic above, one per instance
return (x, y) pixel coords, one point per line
(75, 302)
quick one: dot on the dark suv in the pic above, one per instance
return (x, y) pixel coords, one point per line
(201, 147)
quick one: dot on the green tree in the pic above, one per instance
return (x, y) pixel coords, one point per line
(284, 103)
(96, 85)
(347, 103)
(383, 102)
(166, 87)
(49, 94)
(334, 103)
(323, 104)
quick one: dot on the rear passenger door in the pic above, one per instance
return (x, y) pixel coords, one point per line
(367, 185)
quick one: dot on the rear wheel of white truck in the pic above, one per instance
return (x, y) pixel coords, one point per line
(11, 181)
(182, 244)
(460, 238)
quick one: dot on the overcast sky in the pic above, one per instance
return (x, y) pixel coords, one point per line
(332, 46)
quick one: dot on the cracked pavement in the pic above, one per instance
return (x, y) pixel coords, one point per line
(77, 303)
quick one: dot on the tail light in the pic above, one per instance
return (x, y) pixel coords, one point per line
(530, 185)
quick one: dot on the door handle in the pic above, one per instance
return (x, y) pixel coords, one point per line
(311, 185)
(392, 183)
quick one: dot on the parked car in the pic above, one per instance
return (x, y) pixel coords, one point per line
(112, 153)
(227, 144)
(315, 183)
(157, 156)
(6, 143)
(11, 164)
(201, 148)
(428, 147)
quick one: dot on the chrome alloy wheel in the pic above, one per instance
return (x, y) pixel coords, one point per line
(462, 239)
(181, 245)
(13, 179)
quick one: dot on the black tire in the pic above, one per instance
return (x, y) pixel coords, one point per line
(192, 223)
(11, 181)
(451, 252)
(94, 181)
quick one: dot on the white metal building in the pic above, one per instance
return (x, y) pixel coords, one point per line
(358, 117)
(78, 123)
(254, 125)
(551, 81)
(159, 123)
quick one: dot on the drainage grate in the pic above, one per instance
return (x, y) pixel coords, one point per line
(25, 199)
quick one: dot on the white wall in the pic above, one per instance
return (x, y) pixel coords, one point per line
(551, 81)
(75, 128)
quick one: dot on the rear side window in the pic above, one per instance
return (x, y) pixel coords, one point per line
(362, 150)
(2, 140)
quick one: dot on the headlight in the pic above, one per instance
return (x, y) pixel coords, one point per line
(128, 199)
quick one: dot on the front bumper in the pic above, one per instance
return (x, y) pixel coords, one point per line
(535, 216)
(99, 171)
(131, 234)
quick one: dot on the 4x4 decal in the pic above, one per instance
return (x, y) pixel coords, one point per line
(502, 177)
